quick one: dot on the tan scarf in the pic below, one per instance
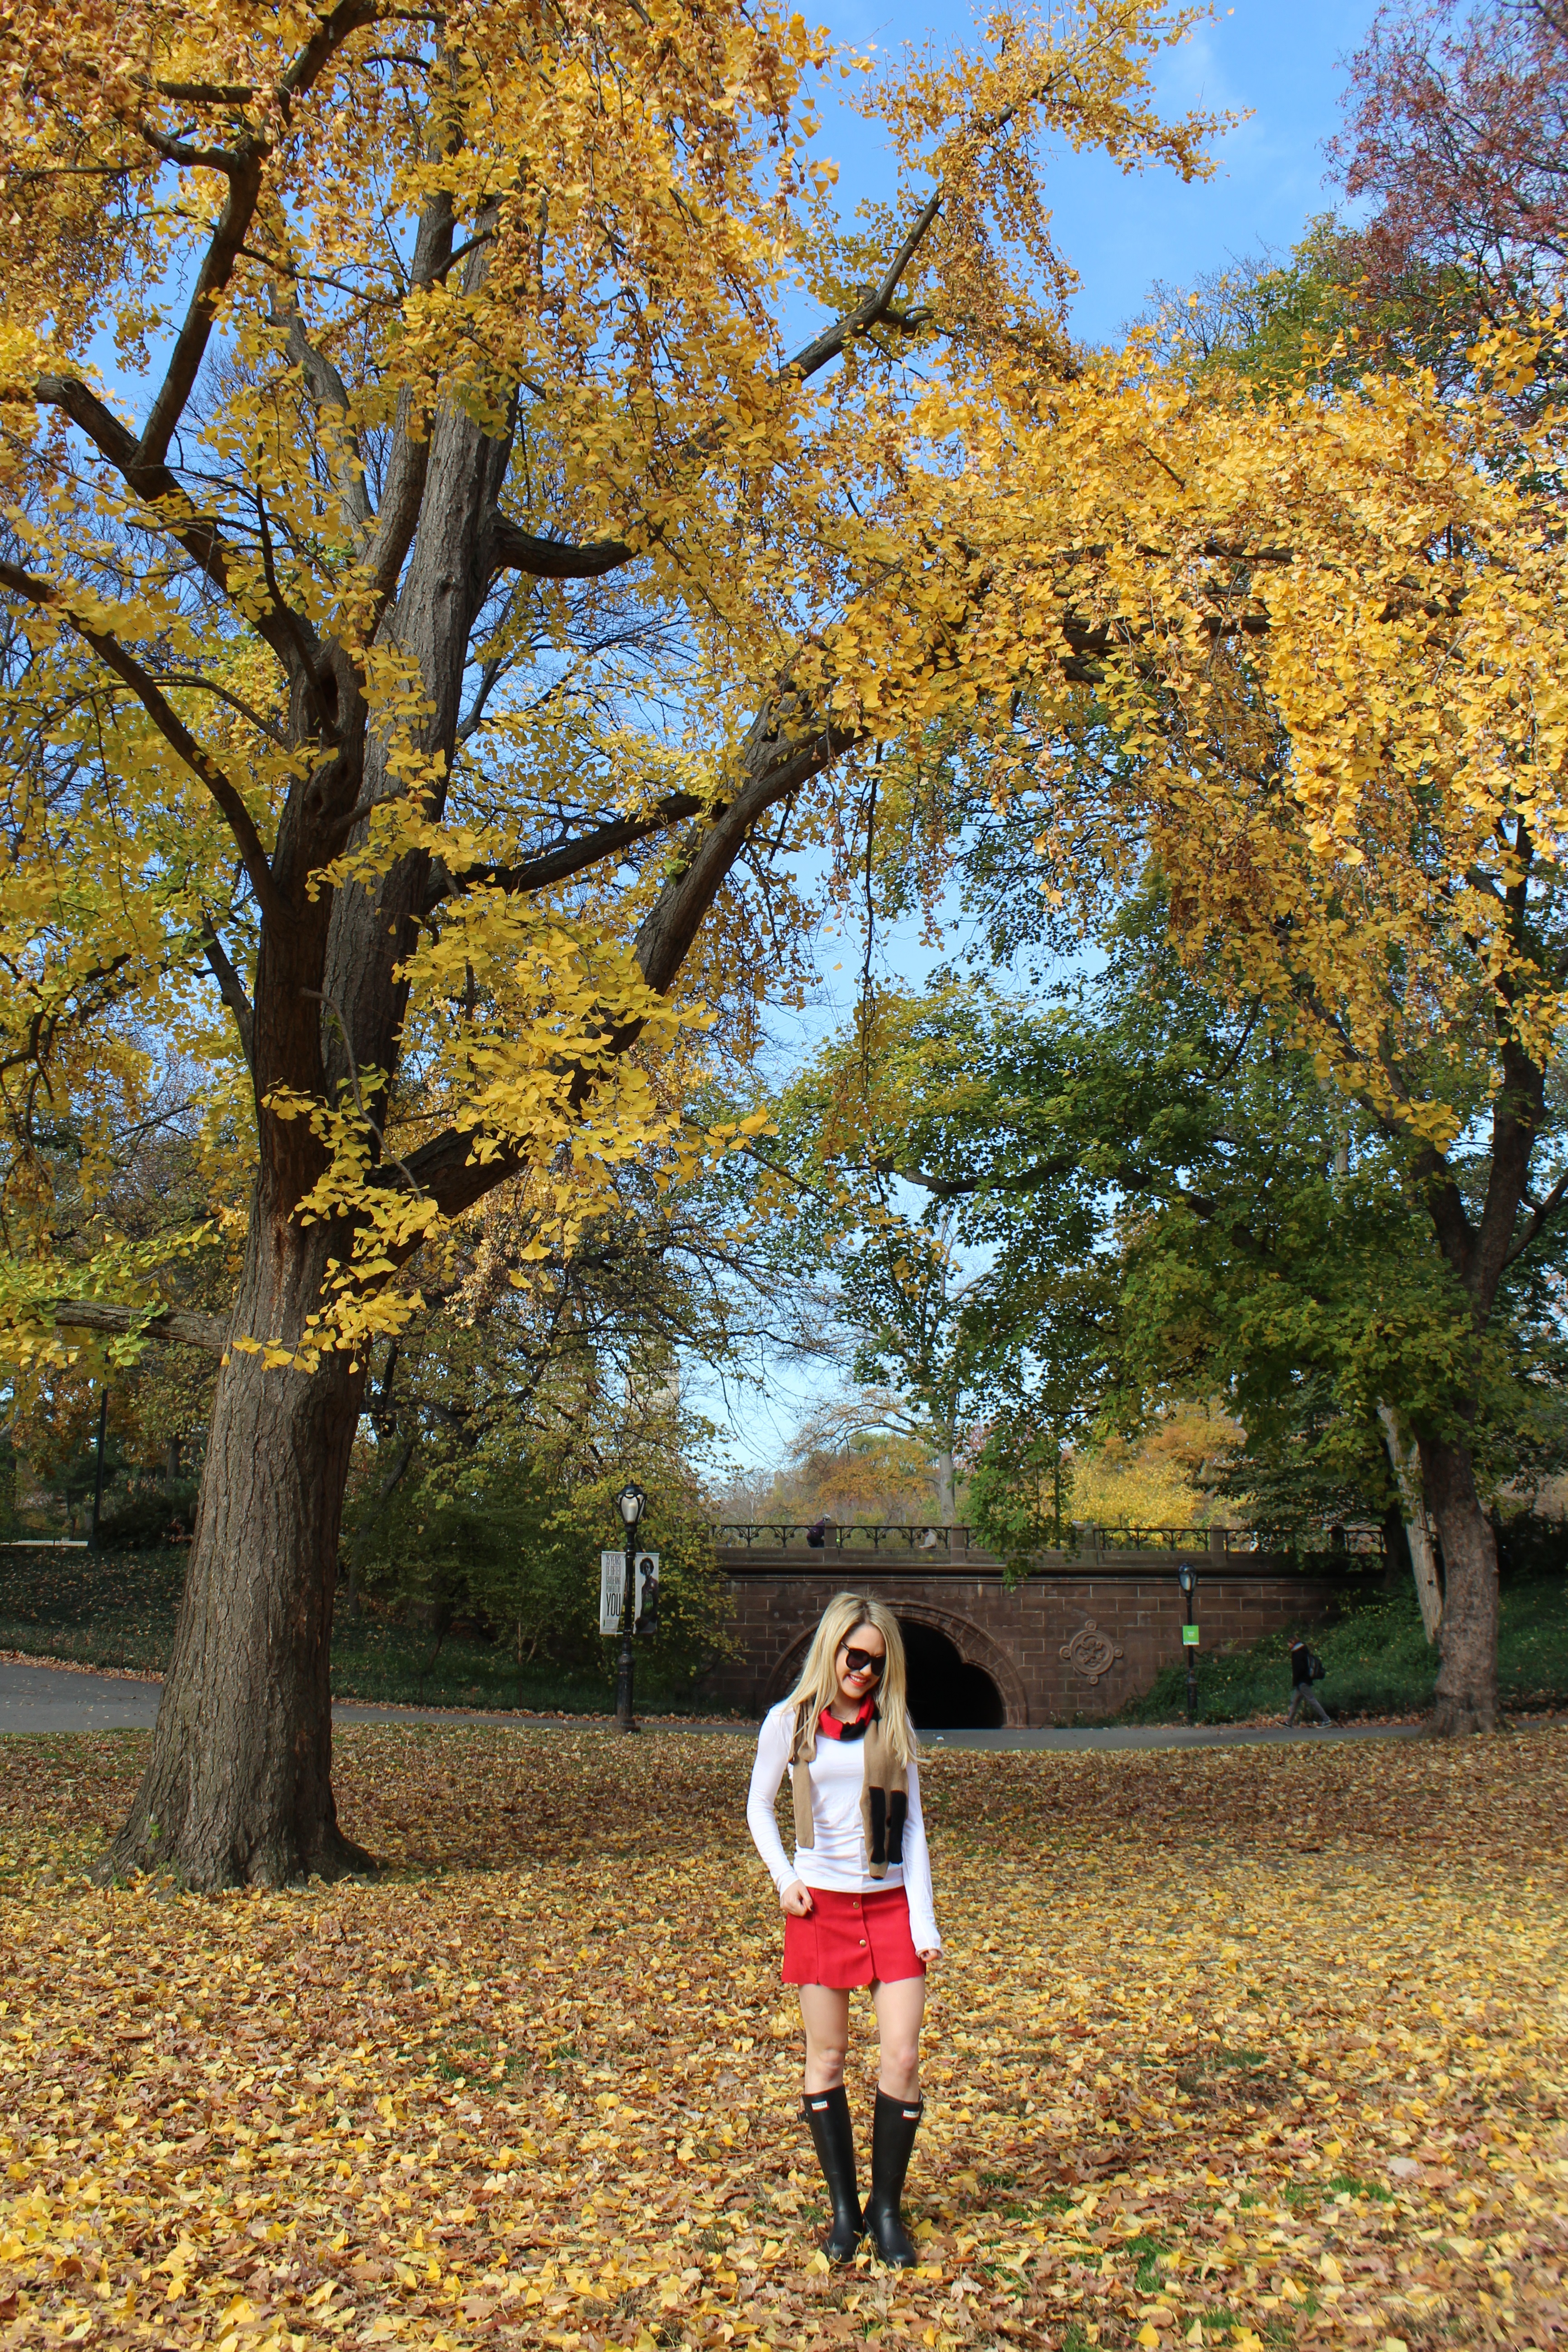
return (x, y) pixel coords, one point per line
(884, 1798)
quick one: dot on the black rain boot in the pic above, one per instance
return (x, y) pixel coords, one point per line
(833, 2133)
(892, 2139)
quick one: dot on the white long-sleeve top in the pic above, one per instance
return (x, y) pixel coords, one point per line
(838, 1860)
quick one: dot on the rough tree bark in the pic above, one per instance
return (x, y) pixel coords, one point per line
(1467, 1695)
(239, 1785)
(1478, 1252)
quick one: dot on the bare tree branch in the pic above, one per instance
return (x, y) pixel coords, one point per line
(573, 856)
(178, 1324)
(779, 755)
(1541, 1218)
(231, 989)
(516, 550)
(197, 533)
(328, 390)
(876, 309)
(173, 728)
(245, 171)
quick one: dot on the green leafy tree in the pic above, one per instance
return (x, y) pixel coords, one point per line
(1238, 1227)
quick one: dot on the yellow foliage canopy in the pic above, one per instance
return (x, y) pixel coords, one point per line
(488, 319)
(406, 623)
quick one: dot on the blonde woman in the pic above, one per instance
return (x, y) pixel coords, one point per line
(857, 1900)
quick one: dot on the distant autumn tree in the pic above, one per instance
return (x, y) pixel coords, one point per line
(433, 586)
(1355, 795)
(1456, 134)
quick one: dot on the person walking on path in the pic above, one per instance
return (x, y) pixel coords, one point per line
(857, 1900)
(1302, 1677)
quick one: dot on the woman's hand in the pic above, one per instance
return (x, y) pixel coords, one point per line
(796, 1900)
(928, 1959)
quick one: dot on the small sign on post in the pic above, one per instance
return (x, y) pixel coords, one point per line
(612, 1590)
(1189, 1637)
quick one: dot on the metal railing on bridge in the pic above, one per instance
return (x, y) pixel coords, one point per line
(923, 1539)
(780, 1535)
(1087, 1536)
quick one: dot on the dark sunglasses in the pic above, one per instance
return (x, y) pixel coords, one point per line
(861, 1661)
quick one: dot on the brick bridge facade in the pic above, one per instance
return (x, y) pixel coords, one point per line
(1079, 1638)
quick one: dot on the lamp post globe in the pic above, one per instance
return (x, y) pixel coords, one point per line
(630, 1503)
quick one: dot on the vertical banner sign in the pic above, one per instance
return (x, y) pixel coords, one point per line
(612, 1590)
(646, 1590)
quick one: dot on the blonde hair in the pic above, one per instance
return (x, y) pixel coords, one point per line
(818, 1684)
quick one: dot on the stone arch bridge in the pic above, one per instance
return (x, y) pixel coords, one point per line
(1085, 1632)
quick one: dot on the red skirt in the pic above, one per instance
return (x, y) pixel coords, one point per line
(851, 1939)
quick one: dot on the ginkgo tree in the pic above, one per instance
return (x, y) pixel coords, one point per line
(1324, 638)
(428, 573)
(1320, 635)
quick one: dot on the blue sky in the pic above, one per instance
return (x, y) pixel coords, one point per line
(1275, 61)
(1280, 65)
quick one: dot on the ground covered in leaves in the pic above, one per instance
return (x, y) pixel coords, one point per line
(1232, 2048)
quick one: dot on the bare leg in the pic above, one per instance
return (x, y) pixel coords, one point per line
(825, 2014)
(900, 2007)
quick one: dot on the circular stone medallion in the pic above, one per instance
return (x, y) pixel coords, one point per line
(1090, 1653)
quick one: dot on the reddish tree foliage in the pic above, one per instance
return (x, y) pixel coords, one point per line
(1456, 128)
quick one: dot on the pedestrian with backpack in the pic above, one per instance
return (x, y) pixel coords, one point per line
(1306, 1668)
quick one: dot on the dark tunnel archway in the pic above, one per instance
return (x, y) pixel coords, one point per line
(947, 1694)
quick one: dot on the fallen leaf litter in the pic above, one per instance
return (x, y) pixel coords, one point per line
(1243, 2048)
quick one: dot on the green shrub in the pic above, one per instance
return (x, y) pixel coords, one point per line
(144, 1520)
(118, 1609)
(1378, 1660)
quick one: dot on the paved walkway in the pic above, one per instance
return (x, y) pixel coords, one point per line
(1172, 1735)
(59, 1698)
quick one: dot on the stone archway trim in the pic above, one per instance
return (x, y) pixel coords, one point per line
(975, 1648)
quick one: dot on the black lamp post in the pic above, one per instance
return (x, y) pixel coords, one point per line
(98, 1467)
(630, 1503)
(1187, 1577)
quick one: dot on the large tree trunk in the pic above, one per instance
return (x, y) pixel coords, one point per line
(1467, 1698)
(238, 1789)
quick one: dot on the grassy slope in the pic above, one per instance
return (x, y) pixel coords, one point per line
(1378, 1663)
(118, 1610)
